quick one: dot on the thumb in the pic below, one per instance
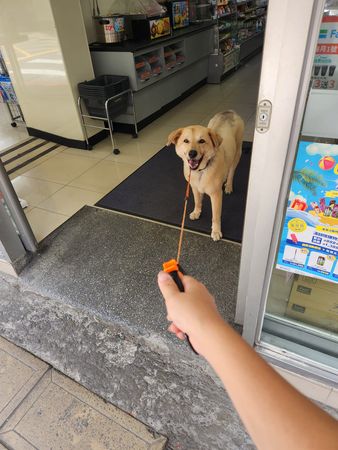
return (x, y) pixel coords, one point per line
(167, 285)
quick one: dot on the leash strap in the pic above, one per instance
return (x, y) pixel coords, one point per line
(187, 192)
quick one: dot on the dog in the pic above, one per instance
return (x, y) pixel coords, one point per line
(210, 154)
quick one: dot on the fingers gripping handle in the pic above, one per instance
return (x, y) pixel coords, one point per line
(175, 276)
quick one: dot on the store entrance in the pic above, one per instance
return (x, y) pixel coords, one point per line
(55, 181)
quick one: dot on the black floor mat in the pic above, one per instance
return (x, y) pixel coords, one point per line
(156, 191)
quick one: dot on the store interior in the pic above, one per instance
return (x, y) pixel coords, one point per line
(54, 183)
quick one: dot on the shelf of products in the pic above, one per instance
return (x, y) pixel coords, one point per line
(238, 22)
(251, 20)
(157, 62)
(149, 65)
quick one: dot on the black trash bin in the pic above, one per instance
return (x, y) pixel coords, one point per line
(95, 93)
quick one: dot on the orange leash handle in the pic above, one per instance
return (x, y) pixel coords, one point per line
(172, 267)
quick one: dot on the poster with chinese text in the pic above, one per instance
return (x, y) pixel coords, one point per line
(309, 240)
(325, 69)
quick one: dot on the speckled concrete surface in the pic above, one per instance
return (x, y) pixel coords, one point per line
(89, 306)
(108, 263)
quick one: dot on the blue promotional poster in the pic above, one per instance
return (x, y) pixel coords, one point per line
(309, 240)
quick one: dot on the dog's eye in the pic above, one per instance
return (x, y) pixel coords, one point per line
(186, 141)
(201, 141)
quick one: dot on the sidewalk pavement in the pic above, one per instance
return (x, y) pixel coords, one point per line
(42, 409)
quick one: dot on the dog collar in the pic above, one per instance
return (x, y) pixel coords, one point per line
(211, 159)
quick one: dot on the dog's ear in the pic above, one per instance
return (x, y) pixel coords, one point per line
(215, 137)
(174, 136)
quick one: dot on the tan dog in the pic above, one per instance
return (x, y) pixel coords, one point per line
(212, 155)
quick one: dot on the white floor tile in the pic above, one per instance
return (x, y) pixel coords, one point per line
(61, 168)
(69, 200)
(136, 152)
(34, 191)
(99, 152)
(44, 222)
(104, 176)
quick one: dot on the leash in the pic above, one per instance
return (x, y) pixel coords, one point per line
(173, 267)
(187, 193)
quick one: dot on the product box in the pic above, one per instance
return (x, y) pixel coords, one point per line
(179, 13)
(315, 302)
(151, 28)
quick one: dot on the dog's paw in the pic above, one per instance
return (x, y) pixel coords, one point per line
(195, 215)
(216, 235)
(228, 190)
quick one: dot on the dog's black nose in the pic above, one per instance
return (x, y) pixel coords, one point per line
(192, 154)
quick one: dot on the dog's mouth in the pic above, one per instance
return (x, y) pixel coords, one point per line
(194, 163)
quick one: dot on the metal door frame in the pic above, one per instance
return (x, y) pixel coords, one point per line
(290, 42)
(17, 238)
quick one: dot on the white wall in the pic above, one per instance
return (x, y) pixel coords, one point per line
(46, 50)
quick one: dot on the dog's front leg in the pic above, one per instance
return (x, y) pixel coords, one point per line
(216, 204)
(198, 197)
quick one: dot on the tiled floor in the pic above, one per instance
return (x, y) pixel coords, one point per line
(40, 408)
(59, 184)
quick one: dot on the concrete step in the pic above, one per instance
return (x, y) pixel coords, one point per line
(89, 306)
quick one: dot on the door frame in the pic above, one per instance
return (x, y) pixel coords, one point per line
(16, 235)
(290, 44)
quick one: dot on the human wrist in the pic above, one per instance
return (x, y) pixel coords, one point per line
(208, 329)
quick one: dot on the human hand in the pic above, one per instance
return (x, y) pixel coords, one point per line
(191, 312)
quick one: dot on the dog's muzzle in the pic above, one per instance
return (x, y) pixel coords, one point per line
(193, 161)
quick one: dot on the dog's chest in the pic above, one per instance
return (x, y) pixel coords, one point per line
(201, 181)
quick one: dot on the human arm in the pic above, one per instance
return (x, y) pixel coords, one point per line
(275, 414)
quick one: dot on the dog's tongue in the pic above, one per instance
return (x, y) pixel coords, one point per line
(193, 163)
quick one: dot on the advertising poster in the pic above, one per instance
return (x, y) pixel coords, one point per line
(325, 69)
(309, 240)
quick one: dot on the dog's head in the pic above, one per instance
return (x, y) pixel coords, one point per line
(195, 144)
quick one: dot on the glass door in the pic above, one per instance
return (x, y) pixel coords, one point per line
(302, 303)
(288, 291)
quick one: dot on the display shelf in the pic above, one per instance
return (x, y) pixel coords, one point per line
(148, 65)
(222, 16)
(251, 37)
(257, 16)
(238, 23)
